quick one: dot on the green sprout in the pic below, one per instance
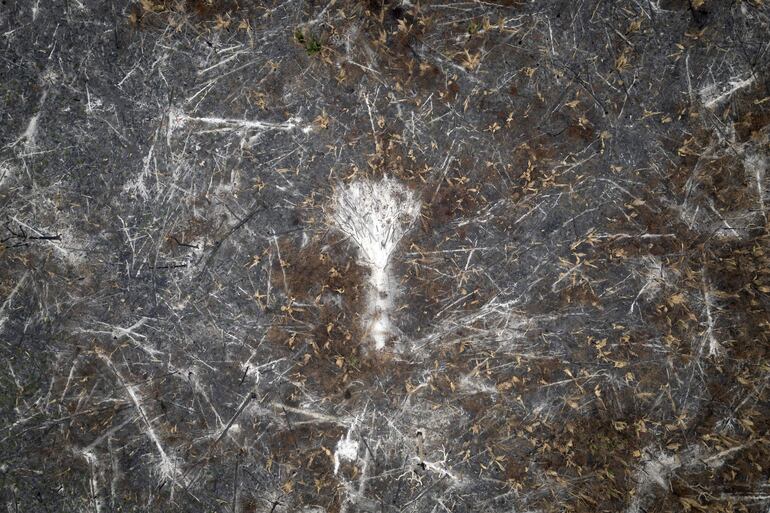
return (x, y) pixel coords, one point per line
(311, 43)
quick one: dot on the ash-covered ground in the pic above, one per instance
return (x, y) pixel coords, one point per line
(384, 256)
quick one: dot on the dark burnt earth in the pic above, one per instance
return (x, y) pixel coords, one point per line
(580, 312)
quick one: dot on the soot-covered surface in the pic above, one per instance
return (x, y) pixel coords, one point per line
(367, 256)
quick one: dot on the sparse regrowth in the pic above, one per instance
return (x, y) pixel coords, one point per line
(376, 215)
(311, 43)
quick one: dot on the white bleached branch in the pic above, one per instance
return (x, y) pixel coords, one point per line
(376, 216)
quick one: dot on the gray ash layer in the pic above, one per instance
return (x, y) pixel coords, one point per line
(384, 256)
